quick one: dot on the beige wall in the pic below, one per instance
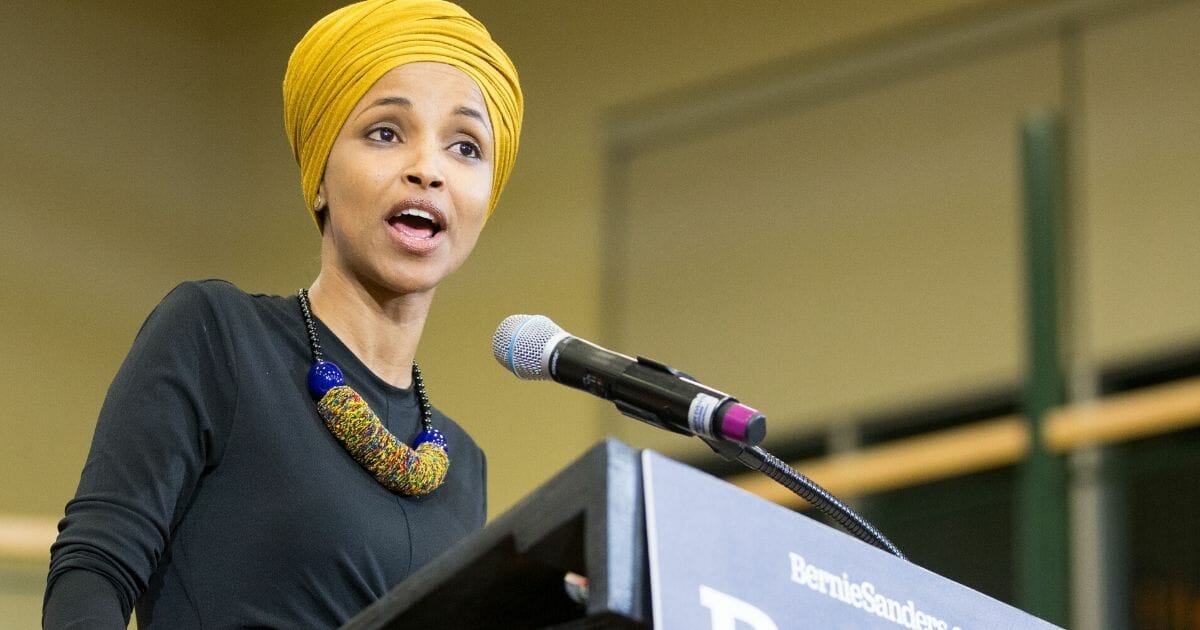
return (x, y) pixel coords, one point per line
(849, 257)
(840, 239)
(143, 146)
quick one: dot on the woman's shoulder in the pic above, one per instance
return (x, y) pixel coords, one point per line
(212, 290)
(220, 296)
(223, 305)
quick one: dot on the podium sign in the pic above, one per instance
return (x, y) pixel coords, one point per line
(722, 558)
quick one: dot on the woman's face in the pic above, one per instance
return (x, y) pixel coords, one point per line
(408, 180)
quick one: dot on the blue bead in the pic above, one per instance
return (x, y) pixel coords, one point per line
(431, 435)
(324, 376)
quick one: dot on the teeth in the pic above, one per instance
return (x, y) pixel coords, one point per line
(413, 212)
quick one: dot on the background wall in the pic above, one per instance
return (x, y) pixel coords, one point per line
(144, 146)
(840, 237)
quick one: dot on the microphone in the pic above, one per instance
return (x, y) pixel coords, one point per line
(535, 348)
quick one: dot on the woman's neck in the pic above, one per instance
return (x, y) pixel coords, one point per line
(383, 331)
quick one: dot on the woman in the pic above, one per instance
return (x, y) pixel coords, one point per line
(238, 477)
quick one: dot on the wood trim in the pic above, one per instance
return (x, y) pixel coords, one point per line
(1141, 413)
(26, 538)
(989, 444)
(906, 462)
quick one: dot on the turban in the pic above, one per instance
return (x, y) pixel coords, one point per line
(347, 51)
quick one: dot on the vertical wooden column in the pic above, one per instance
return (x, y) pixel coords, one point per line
(1042, 546)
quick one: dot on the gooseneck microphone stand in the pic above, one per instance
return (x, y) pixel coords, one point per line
(758, 459)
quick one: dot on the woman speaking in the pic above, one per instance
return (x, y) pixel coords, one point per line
(267, 461)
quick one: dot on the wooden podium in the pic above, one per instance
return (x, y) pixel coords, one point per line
(717, 557)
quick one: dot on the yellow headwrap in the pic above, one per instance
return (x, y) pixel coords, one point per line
(345, 53)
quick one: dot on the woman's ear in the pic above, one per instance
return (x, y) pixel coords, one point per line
(320, 202)
(321, 206)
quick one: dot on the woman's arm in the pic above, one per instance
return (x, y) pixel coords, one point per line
(161, 427)
(83, 600)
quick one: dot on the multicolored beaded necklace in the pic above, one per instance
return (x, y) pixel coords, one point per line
(411, 471)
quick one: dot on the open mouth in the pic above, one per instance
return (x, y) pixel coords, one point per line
(416, 223)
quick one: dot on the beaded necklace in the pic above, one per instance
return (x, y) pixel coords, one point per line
(411, 471)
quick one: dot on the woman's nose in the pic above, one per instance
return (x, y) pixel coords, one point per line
(423, 170)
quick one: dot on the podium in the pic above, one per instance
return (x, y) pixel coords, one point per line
(658, 540)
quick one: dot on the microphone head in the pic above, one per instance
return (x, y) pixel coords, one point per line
(522, 344)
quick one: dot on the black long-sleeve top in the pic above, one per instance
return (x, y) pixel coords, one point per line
(215, 497)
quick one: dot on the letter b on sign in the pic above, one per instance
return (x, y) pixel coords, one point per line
(727, 610)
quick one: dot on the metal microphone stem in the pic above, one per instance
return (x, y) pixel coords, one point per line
(756, 458)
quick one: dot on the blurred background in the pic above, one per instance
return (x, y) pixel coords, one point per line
(819, 207)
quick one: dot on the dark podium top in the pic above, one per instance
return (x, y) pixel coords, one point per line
(589, 519)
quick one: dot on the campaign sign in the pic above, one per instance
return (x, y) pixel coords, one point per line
(725, 559)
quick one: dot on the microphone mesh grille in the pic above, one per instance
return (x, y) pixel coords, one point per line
(521, 340)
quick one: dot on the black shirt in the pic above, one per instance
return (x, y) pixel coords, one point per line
(214, 496)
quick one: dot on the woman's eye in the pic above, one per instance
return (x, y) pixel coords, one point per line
(468, 149)
(384, 134)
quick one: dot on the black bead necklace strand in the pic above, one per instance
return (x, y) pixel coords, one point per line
(411, 471)
(318, 357)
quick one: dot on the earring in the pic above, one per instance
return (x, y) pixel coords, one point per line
(319, 203)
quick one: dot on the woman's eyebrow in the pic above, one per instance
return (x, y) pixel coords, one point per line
(388, 101)
(407, 104)
(471, 113)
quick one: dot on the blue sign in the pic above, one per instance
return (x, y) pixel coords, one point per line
(725, 559)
